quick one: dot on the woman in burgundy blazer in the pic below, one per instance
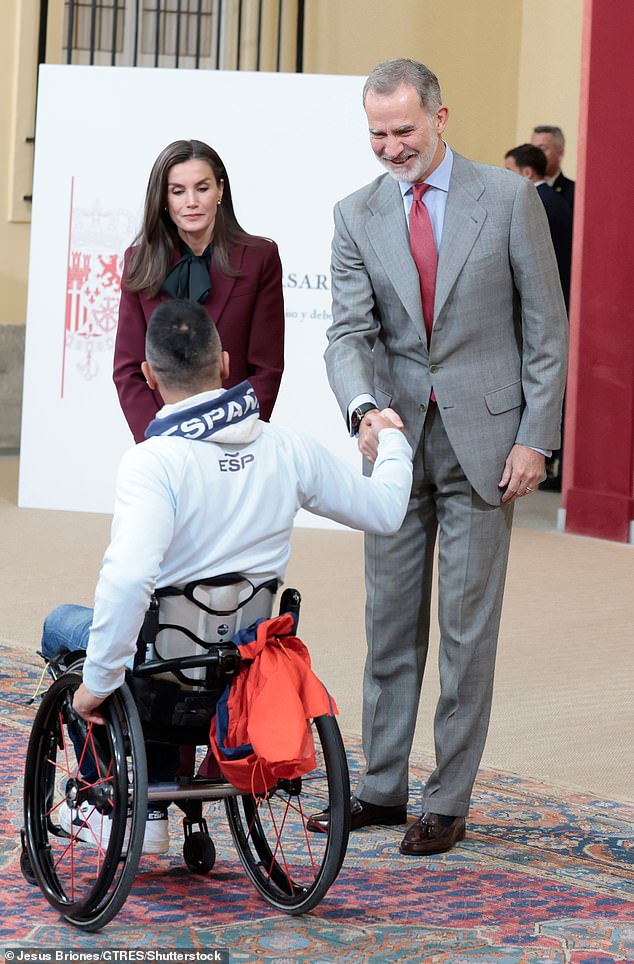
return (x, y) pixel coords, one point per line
(191, 246)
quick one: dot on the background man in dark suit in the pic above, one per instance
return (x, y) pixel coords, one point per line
(530, 162)
(447, 307)
(552, 142)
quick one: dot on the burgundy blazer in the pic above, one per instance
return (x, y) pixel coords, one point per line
(248, 311)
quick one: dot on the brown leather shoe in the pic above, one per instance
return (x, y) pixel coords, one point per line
(430, 836)
(362, 814)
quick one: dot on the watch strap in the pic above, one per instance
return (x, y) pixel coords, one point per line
(357, 416)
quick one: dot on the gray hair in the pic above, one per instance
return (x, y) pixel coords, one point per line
(392, 74)
(556, 132)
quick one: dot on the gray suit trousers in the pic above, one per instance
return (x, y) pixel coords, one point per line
(473, 545)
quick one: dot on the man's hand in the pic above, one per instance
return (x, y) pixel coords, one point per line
(85, 704)
(523, 471)
(371, 424)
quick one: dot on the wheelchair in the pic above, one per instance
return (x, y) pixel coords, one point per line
(185, 659)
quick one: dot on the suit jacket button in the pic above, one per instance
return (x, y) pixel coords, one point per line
(433, 369)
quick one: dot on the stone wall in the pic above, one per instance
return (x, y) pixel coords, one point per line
(11, 371)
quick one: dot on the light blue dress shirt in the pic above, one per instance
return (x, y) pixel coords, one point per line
(434, 199)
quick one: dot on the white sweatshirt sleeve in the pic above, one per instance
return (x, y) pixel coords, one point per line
(377, 503)
(142, 530)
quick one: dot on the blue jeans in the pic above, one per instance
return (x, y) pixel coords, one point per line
(67, 629)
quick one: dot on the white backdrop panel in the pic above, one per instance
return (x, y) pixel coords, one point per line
(293, 144)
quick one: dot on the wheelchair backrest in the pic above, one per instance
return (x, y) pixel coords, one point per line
(192, 620)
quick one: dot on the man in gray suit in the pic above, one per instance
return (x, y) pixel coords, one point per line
(480, 397)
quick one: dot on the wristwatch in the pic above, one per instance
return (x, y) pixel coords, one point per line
(357, 416)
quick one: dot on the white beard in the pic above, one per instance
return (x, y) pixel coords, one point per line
(415, 171)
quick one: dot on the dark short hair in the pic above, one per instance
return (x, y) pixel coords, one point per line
(527, 155)
(182, 345)
(556, 132)
(392, 74)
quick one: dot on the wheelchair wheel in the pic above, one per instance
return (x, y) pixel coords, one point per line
(290, 866)
(27, 870)
(85, 804)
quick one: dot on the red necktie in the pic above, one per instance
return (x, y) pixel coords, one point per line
(424, 253)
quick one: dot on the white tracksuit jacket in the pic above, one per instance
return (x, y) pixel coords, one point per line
(187, 508)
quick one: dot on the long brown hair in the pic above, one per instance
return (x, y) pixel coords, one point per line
(154, 245)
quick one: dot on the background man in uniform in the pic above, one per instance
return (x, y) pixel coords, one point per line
(441, 242)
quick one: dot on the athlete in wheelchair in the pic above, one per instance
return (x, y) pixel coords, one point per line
(200, 542)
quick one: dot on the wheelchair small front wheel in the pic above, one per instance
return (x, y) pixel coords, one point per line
(85, 804)
(290, 866)
(199, 853)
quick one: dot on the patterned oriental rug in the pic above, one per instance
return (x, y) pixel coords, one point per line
(544, 875)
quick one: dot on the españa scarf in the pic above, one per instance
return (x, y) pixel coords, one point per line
(233, 411)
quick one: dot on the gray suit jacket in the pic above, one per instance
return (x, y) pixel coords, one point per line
(499, 347)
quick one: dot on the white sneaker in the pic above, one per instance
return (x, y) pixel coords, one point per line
(94, 828)
(156, 839)
(86, 823)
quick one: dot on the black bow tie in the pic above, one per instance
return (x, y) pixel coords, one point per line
(189, 278)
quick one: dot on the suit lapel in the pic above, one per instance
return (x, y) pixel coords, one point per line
(222, 285)
(464, 218)
(388, 235)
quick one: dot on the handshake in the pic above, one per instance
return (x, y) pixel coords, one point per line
(372, 423)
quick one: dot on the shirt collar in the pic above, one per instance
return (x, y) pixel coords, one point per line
(439, 177)
(173, 407)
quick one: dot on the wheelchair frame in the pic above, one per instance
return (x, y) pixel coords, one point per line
(86, 870)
